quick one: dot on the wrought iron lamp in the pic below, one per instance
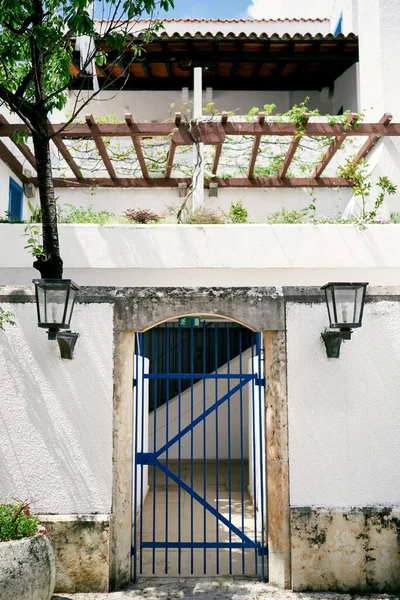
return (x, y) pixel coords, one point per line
(345, 303)
(55, 299)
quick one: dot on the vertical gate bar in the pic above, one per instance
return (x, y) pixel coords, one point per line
(204, 446)
(241, 441)
(261, 442)
(179, 442)
(155, 406)
(166, 439)
(253, 415)
(135, 559)
(140, 336)
(216, 330)
(228, 356)
(191, 443)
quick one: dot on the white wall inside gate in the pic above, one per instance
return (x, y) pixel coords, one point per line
(257, 460)
(140, 405)
(211, 394)
(56, 415)
(344, 414)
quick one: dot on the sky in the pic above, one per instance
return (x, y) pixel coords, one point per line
(255, 9)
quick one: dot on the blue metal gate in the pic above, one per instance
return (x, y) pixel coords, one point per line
(198, 479)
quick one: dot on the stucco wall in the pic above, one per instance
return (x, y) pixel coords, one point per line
(56, 415)
(344, 417)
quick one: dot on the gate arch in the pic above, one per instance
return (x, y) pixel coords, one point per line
(260, 309)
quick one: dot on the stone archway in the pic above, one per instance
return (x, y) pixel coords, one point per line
(260, 309)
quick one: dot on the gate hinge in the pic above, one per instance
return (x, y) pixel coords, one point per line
(132, 550)
(146, 458)
(260, 381)
(134, 380)
(263, 551)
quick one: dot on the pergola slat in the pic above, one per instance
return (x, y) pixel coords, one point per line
(23, 148)
(333, 148)
(172, 148)
(255, 182)
(137, 146)
(94, 128)
(218, 147)
(256, 146)
(294, 144)
(372, 140)
(67, 156)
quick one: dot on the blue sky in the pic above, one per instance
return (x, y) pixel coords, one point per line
(236, 9)
(209, 9)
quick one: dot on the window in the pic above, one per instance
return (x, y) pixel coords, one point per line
(339, 25)
(15, 201)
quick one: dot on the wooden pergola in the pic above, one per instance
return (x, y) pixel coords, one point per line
(209, 132)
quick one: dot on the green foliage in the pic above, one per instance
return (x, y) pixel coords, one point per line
(395, 218)
(6, 317)
(33, 243)
(36, 213)
(289, 217)
(7, 219)
(359, 177)
(142, 216)
(238, 213)
(80, 214)
(17, 522)
(47, 28)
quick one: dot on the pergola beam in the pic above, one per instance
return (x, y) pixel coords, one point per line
(333, 148)
(234, 182)
(372, 140)
(94, 129)
(292, 149)
(172, 148)
(137, 146)
(256, 146)
(67, 156)
(23, 148)
(218, 147)
(9, 159)
(214, 132)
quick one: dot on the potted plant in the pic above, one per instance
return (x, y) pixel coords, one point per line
(27, 564)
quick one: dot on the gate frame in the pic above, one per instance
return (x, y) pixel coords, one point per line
(261, 309)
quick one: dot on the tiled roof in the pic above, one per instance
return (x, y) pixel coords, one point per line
(286, 20)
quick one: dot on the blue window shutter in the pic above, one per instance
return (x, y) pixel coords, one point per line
(15, 201)
(339, 25)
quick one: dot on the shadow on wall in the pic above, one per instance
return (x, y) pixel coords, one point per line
(56, 416)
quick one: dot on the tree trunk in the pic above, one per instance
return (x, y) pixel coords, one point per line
(50, 264)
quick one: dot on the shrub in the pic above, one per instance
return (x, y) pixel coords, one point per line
(238, 213)
(142, 216)
(16, 522)
(80, 214)
(205, 216)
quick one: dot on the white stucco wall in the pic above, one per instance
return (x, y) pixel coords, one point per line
(344, 417)
(56, 415)
(190, 255)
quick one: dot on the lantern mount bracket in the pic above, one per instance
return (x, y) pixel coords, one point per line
(333, 341)
(66, 342)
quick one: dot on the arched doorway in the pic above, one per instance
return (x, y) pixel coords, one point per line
(199, 487)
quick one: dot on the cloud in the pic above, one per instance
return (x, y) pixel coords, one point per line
(273, 9)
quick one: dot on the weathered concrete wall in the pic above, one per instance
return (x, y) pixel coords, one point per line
(346, 550)
(81, 546)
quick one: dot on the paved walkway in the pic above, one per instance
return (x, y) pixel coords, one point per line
(212, 589)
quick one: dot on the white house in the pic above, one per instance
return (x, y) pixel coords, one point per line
(240, 447)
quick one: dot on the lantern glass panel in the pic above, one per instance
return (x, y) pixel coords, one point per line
(346, 306)
(70, 308)
(55, 302)
(331, 306)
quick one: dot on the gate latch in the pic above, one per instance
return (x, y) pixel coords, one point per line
(146, 458)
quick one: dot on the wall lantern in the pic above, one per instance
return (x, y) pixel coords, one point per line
(55, 300)
(345, 302)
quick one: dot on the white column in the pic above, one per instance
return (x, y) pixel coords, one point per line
(198, 149)
(379, 84)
